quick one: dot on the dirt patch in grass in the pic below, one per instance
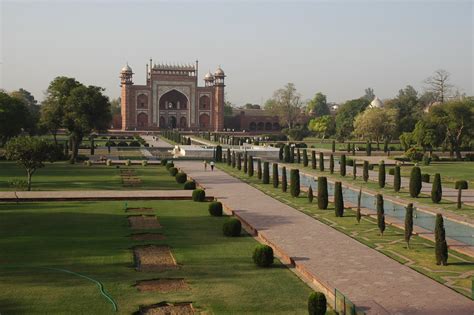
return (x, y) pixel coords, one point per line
(129, 178)
(153, 258)
(162, 285)
(138, 209)
(143, 222)
(165, 308)
(147, 237)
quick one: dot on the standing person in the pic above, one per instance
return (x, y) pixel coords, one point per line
(205, 165)
(212, 165)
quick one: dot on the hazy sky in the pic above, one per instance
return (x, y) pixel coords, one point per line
(338, 48)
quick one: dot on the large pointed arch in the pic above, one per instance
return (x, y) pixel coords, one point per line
(173, 100)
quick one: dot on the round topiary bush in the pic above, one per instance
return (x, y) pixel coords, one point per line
(199, 195)
(144, 163)
(461, 184)
(425, 178)
(173, 171)
(134, 144)
(164, 162)
(232, 227)
(190, 185)
(169, 165)
(122, 144)
(317, 303)
(215, 209)
(181, 178)
(128, 163)
(263, 256)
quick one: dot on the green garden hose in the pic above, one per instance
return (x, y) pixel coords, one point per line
(99, 284)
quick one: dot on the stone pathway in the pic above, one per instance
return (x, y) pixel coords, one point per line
(374, 282)
(157, 142)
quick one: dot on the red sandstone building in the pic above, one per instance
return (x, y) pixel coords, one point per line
(171, 98)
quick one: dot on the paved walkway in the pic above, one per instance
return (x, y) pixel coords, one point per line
(94, 195)
(157, 142)
(364, 275)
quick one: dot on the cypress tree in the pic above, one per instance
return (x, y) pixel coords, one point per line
(298, 156)
(305, 158)
(354, 170)
(266, 173)
(259, 169)
(313, 160)
(310, 194)
(239, 161)
(228, 159)
(408, 223)
(353, 149)
(92, 145)
(321, 161)
(295, 182)
(441, 247)
(287, 153)
(415, 182)
(348, 147)
(342, 165)
(436, 190)
(385, 146)
(358, 214)
(368, 148)
(250, 167)
(397, 179)
(365, 171)
(331, 164)
(284, 182)
(382, 174)
(218, 153)
(460, 185)
(333, 146)
(233, 159)
(380, 214)
(245, 162)
(322, 193)
(275, 177)
(338, 200)
(280, 154)
(292, 154)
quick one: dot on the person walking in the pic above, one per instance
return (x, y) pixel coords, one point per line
(205, 165)
(212, 165)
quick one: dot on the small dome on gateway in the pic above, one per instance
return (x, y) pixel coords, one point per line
(219, 72)
(209, 76)
(126, 68)
(376, 103)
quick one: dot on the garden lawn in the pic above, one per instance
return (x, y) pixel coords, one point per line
(450, 171)
(420, 257)
(92, 238)
(64, 176)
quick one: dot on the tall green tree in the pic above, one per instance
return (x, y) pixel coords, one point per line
(346, 114)
(375, 124)
(323, 126)
(12, 117)
(286, 103)
(441, 247)
(318, 106)
(408, 223)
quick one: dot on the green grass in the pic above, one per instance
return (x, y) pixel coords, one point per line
(392, 243)
(450, 171)
(92, 238)
(64, 176)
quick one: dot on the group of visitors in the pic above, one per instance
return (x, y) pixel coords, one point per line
(211, 164)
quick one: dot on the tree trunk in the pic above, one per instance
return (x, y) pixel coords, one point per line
(29, 173)
(457, 149)
(54, 137)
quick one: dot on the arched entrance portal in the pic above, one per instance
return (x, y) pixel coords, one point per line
(142, 121)
(172, 122)
(182, 122)
(204, 120)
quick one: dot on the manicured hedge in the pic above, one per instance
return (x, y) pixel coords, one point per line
(317, 304)
(266, 173)
(382, 175)
(181, 177)
(173, 171)
(295, 183)
(275, 177)
(322, 193)
(415, 182)
(284, 181)
(199, 195)
(342, 165)
(338, 200)
(263, 256)
(215, 209)
(190, 185)
(397, 180)
(232, 227)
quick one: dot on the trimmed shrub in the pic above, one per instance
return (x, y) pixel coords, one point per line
(128, 163)
(259, 169)
(218, 153)
(342, 165)
(122, 144)
(87, 163)
(349, 162)
(228, 157)
(331, 164)
(173, 171)
(441, 247)
(215, 209)
(284, 182)
(250, 167)
(354, 170)
(246, 158)
(408, 223)
(391, 171)
(317, 304)
(333, 146)
(397, 179)
(460, 185)
(145, 163)
(382, 175)
(190, 185)
(163, 162)
(305, 158)
(266, 173)
(295, 182)
(169, 165)
(322, 193)
(380, 214)
(426, 160)
(263, 256)
(280, 154)
(338, 200)
(313, 160)
(321, 161)
(287, 153)
(232, 227)
(310, 194)
(199, 195)
(425, 178)
(415, 182)
(292, 155)
(134, 144)
(239, 161)
(368, 148)
(232, 162)
(359, 199)
(298, 156)
(181, 177)
(371, 167)
(275, 177)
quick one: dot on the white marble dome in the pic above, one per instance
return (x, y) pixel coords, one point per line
(219, 72)
(126, 69)
(376, 103)
(209, 76)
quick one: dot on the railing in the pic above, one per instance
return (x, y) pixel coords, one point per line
(344, 306)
